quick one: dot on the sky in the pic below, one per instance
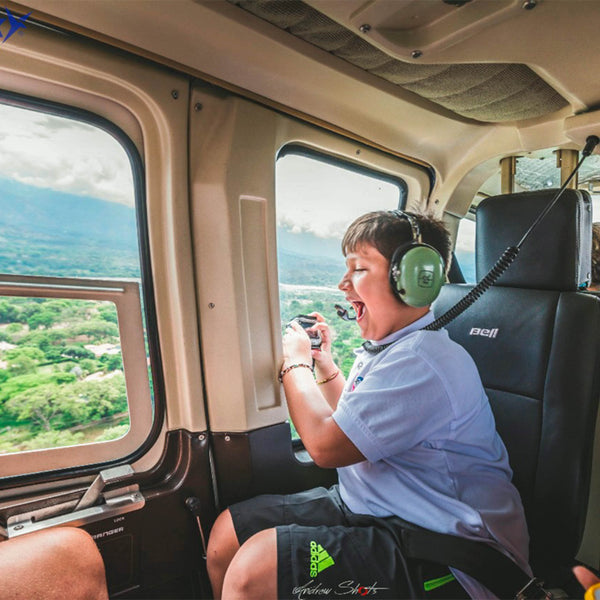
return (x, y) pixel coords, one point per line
(67, 155)
(64, 155)
(323, 199)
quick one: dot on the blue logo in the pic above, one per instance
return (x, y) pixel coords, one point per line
(15, 23)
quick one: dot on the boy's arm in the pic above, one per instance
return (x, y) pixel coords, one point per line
(312, 414)
(329, 377)
(331, 383)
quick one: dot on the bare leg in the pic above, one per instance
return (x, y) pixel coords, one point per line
(53, 564)
(222, 547)
(252, 574)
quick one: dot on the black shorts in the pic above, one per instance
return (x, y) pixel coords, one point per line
(326, 551)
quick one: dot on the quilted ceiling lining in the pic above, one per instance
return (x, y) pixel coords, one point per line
(484, 92)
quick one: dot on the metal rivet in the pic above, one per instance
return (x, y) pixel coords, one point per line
(198, 107)
(211, 305)
(18, 527)
(364, 28)
(227, 438)
(529, 4)
(416, 54)
(175, 94)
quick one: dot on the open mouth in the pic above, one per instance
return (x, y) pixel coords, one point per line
(359, 309)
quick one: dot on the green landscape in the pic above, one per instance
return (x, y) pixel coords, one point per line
(61, 371)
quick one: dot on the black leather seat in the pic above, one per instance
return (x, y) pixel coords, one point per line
(536, 341)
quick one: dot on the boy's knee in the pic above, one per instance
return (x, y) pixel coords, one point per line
(222, 542)
(253, 571)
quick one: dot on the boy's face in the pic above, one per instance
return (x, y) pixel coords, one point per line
(366, 286)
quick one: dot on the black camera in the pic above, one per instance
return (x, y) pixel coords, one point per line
(306, 322)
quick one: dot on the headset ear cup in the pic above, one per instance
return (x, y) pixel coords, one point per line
(416, 274)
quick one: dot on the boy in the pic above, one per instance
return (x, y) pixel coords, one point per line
(411, 433)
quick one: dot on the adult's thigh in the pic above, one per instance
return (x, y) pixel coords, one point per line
(52, 564)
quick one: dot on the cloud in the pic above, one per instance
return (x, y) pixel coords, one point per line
(323, 199)
(63, 154)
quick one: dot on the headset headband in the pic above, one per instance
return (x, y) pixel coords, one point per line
(414, 225)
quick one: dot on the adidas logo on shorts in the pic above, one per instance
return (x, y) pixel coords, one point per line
(319, 559)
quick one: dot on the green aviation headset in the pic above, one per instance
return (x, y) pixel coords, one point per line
(417, 271)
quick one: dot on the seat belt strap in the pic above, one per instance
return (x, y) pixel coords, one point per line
(494, 570)
(481, 561)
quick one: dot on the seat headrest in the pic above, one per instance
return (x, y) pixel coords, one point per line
(555, 256)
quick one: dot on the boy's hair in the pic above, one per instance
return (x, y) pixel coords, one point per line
(386, 231)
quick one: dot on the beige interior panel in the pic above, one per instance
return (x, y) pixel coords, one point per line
(233, 155)
(150, 104)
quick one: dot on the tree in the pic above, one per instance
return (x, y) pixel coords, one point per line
(78, 352)
(23, 359)
(112, 362)
(8, 312)
(42, 318)
(108, 313)
(52, 439)
(113, 433)
(43, 406)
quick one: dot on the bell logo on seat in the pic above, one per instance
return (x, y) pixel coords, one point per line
(489, 333)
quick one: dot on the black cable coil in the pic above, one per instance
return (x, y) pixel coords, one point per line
(508, 256)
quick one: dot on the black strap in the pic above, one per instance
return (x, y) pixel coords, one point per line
(489, 566)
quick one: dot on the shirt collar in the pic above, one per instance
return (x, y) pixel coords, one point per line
(410, 328)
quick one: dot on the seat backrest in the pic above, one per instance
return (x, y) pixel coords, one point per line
(536, 341)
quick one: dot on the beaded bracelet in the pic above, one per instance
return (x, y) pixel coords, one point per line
(288, 369)
(328, 379)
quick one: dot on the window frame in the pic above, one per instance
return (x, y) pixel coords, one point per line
(50, 469)
(124, 294)
(343, 163)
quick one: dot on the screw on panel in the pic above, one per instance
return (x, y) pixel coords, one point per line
(227, 438)
(358, 152)
(211, 305)
(529, 4)
(364, 28)
(198, 107)
(201, 437)
(175, 94)
(416, 54)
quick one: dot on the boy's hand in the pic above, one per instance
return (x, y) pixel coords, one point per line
(322, 356)
(296, 345)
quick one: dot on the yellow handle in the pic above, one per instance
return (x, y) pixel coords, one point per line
(593, 593)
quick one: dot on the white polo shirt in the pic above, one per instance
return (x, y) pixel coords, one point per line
(419, 414)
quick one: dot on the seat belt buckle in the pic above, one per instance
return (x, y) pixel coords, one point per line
(533, 591)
